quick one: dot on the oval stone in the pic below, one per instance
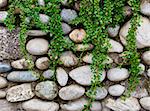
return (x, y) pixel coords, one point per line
(71, 92)
(23, 76)
(19, 93)
(46, 90)
(4, 67)
(39, 105)
(37, 46)
(117, 74)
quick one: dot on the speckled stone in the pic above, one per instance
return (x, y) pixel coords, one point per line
(19, 93)
(46, 90)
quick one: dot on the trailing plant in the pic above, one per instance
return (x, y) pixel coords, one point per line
(96, 16)
(29, 11)
(131, 54)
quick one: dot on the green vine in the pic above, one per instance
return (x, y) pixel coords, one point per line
(96, 16)
(29, 11)
(131, 54)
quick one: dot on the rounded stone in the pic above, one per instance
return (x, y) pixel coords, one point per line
(145, 7)
(148, 72)
(75, 105)
(3, 82)
(20, 64)
(142, 33)
(39, 105)
(101, 93)
(68, 15)
(66, 28)
(19, 93)
(71, 92)
(23, 76)
(145, 103)
(116, 90)
(83, 75)
(142, 68)
(96, 106)
(77, 35)
(68, 59)
(4, 67)
(36, 33)
(3, 16)
(115, 46)
(129, 104)
(146, 57)
(46, 90)
(48, 74)
(113, 31)
(117, 74)
(2, 94)
(3, 3)
(127, 11)
(37, 46)
(42, 63)
(61, 76)
(41, 2)
(44, 18)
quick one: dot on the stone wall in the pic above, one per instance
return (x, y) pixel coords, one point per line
(21, 90)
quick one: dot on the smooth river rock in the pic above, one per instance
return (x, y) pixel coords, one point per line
(46, 90)
(115, 46)
(61, 76)
(83, 75)
(130, 104)
(19, 93)
(76, 105)
(145, 7)
(68, 59)
(7, 106)
(77, 35)
(142, 33)
(3, 82)
(3, 16)
(146, 57)
(66, 28)
(116, 90)
(113, 31)
(41, 2)
(44, 18)
(23, 76)
(2, 94)
(4, 67)
(48, 74)
(101, 93)
(145, 103)
(117, 74)
(71, 92)
(3, 3)
(42, 63)
(39, 105)
(20, 64)
(37, 46)
(68, 15)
